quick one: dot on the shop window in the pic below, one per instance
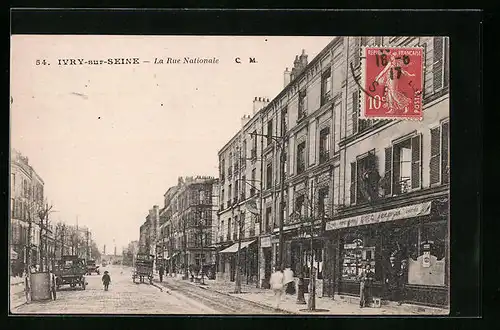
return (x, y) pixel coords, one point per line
(324, 145)
(301, 157)
(356, 254)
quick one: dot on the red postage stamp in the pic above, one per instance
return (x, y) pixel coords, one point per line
(392, 80)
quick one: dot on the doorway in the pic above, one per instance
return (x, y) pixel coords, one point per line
(267, 267)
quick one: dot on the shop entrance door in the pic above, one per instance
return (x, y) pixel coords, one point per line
(232, 268)
(267, 267)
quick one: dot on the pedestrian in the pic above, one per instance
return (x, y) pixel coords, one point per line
(160, 272)
(393, 280)
(277, 285)
(365, 286)
(106, 279)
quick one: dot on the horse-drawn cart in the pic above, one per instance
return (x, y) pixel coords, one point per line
(70, 270)
(143, 268)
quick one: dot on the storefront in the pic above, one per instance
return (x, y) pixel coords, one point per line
(411, 239)
(248, 262)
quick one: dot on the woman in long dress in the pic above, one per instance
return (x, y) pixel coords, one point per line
(395, 100)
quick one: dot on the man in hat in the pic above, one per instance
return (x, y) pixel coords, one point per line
(393, 279)
(106, 279)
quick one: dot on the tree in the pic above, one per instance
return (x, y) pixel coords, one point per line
(313, 217)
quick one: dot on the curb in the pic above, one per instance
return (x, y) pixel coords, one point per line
(406, 307)
(206, 287)
(247, 300)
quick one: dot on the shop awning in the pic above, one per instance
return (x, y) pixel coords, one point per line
(234, 248)
(405, 212)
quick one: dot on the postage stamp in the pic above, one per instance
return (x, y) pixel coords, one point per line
(392, 80)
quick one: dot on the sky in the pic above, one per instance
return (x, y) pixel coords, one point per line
(109, 140)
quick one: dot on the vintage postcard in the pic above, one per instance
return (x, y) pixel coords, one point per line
(229, 175)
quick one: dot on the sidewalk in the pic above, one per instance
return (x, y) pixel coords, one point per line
(17, 296)
(342, 305)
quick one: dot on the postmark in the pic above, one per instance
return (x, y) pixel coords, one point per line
(392, 83)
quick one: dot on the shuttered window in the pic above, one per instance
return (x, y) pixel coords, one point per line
(435, 155)
(445, 156)
(353, 182)
(356, 60)
(438, 66)
(388, 172)
(355, 112)
(416, 167)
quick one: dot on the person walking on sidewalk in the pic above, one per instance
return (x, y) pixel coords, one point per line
(161, 271)
(106, 279)
(277, 285)
(365, 285)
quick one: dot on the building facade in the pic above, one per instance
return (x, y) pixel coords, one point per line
(185, 233)
(26, 199)
(355, 191)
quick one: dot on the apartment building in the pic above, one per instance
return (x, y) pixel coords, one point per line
(186, 223)
(394, 186)
(357, 191)
(26, 199)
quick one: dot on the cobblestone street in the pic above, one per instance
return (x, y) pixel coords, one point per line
(123, 297)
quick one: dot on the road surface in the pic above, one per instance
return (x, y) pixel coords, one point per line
(125, 297)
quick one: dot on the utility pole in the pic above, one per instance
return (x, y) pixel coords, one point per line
(185, 250)
(88, 244)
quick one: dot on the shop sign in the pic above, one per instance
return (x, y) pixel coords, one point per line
(383, 216)
(265, 241)
(426, 259)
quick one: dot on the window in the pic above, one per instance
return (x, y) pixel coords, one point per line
(440, 158)
(326, 86)
(322, 202)
(252, 189)
(221, 230)
(406, 165)
(301, 157)
(244, 152)
(284, 121)
(355, 109)
(440, 65)
(242, 225)
(222, 196)
(299, 206)
(267, 224)
(243, 187)
(202, 197)
(229, 229)
(235, 228)
(364, 179)
(269, 176)
(229, 191)
(302, 104)
(269, 132)
(253, 151)
(324, 145)
(236, 183)
(230, 166)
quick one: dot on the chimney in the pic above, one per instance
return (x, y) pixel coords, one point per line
(303, 59)
(287, 76)
(259, 103)
(244, 120)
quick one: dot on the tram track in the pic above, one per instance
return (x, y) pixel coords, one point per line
(223, 303)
